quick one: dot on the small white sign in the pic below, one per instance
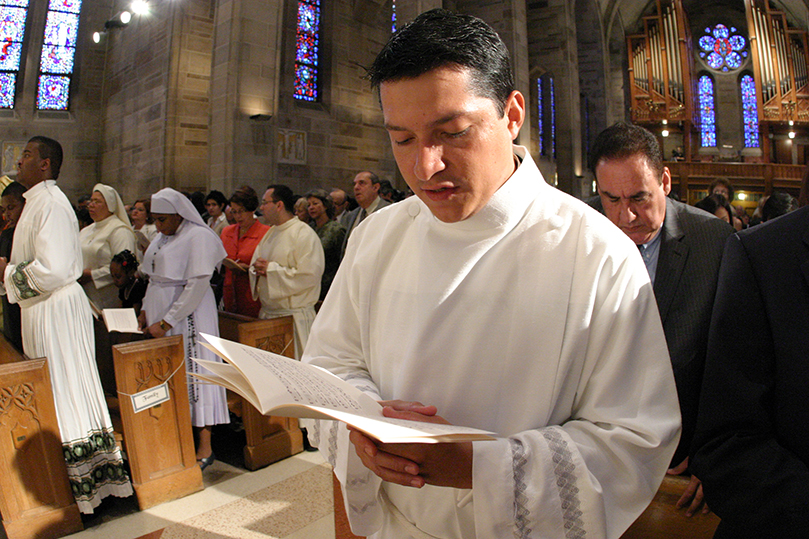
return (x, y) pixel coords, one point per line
(150, 397)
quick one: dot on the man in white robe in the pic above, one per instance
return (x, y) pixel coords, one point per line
(494, 301)
(287, 265)
(57, 324)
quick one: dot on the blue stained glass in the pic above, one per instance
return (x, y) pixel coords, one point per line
(393, 18)
(53, 92)
(726, 50)
(733, 60)
(721, 31)
(12, 30)
(56, 60)
(307, 39)
(539, 117)
(750, 112)
(305, 83)
(10, 56)
(60, 29)
(707, 112)
(8, 83)
(706, 43)
(71, 6)
(553, 119)
(715, 60)
(12, 23)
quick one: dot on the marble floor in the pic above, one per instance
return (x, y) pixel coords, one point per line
(291, 499)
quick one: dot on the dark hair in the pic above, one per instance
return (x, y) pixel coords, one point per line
(623, 140)
(16, 190)
(726, 183)
(147, 204)
(197, 198)
(439, 38)
(284, 194)
(711, 203)
(126, 259)
(777, 204)
(245, 199)
(83, 217)
(49, 149)
(217, 197)
(323, 197)
(803, 196)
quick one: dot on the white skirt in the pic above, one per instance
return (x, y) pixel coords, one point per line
(59, 328)
(208, 401)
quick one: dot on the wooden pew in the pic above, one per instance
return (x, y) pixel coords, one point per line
(158, 441)
(36, 500)
(662, 519)
(269, 439)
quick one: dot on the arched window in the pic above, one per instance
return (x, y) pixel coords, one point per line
(307, 47)
(58, 52)
(749, 111)
(722, 48)
(12, 30)
(707, 111)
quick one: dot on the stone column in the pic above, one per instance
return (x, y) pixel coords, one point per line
(245, 84)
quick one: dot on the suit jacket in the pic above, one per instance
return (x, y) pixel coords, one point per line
(751, 447)
(352, 216)
(691, 248)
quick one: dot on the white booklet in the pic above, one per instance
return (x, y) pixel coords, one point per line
(280, 386)
(121, 320)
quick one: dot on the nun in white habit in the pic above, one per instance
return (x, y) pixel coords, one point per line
(180, 301)
(109, 234)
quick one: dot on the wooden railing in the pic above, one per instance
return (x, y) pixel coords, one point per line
(759, 177)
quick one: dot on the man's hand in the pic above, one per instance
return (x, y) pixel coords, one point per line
(3, 264)
(693, 492)
(260, 265)
(142, 321)
(414, 465)
(154, 331)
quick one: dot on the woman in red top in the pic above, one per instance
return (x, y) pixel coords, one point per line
(240, 241)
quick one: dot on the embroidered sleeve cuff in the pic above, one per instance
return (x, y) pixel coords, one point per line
(24, 282)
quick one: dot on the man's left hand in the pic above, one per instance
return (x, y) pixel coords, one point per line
(154, 331)
(414, 465)
(3, 264)
(692, 494)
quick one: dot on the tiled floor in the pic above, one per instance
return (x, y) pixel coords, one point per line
(291, 499)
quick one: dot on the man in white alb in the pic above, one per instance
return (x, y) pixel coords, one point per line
(287, 265)
(41, 277)
(490, 300)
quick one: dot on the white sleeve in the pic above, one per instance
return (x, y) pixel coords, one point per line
(289, 278)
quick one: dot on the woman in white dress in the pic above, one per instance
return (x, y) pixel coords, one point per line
(179, 301)
(109, 234)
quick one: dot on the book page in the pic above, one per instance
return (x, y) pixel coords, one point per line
(122, 320)
(277, 380)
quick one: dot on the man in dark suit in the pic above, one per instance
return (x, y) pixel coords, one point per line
(682, 248)
(366, 191)
(751, 447)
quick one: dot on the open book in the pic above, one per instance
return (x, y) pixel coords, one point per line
(277, 385)
(122, 320)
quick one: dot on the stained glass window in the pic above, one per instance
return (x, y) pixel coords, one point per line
(12, 30)
(707, 111)
(539, 117)
(306, 58)
(553, 118)
(749, 112)
(393, 18)
(722, 48)
(58, 52)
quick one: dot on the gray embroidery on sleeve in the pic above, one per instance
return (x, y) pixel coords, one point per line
(522, 529)
(564, 468)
